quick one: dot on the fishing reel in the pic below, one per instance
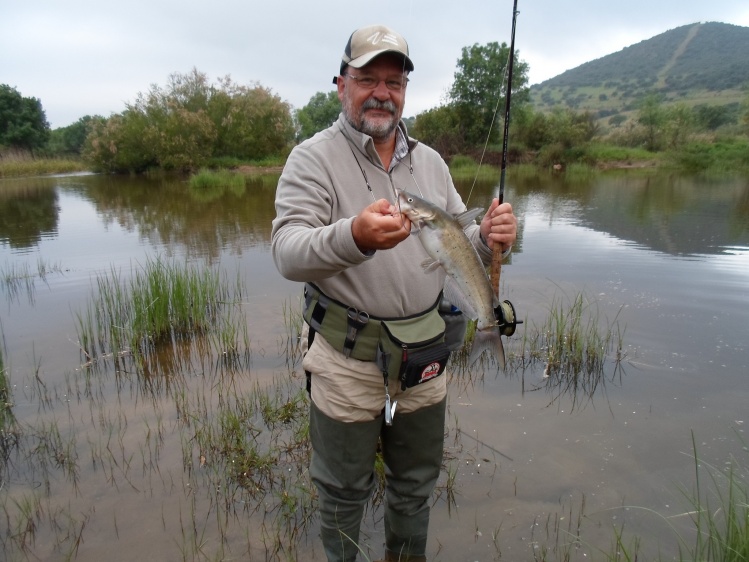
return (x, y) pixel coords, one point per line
(506, 318)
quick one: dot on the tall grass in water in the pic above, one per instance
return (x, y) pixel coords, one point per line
(466, 168)
(6, 401)
(721, 512)
(162, 304)
(211, 179)
(574, 345)
(16, 279)
(20, 163)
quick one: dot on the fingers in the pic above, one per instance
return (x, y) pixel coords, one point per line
(379, 227)
(499, 225)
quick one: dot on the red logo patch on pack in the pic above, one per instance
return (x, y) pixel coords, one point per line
(431, 371)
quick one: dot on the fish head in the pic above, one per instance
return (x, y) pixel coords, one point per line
(418, 210)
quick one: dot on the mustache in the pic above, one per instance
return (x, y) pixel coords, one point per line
(373, 103)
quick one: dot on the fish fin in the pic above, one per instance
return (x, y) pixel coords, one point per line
(467, 218)
(489, 341)
(455, 297)
(429, 265)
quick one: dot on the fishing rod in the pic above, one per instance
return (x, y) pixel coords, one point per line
(496, 266)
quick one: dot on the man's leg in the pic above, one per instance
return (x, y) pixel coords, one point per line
(412, 450)
(342, 469)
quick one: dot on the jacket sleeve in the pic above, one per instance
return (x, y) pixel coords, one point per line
(306, 243)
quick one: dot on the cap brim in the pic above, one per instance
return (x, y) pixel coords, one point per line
(369, 57)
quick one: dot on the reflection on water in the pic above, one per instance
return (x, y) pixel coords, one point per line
(201, 443)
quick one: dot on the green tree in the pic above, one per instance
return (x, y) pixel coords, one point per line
(617, 120)
(479, 89)
(188, 122)
(320, 112)
(652, 116)
(251, 121)
(70, 140)
(118, 144)
(23, 124)
(439, 128)
(679, 124)
(710, 117)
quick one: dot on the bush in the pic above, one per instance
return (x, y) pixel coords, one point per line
(188, 124)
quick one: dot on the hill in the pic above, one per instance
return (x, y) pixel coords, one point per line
(698, 64)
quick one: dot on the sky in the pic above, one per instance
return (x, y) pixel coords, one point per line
(86, 57)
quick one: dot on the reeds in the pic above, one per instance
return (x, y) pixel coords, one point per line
(17, 279)
(217, 180)
(20, 163)
(160, 306)
(574, 344)
(464, 168)
(721, 511)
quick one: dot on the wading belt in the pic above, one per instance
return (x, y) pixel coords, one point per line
(359, 335)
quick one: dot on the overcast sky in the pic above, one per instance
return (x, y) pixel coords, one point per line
(85, 57)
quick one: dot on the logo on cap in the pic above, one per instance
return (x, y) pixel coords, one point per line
(379, 37)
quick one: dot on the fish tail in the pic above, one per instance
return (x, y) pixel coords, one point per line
(489, 341)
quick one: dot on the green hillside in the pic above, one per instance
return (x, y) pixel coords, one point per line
(698, 64)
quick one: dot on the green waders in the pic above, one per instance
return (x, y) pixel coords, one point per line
(342, 469)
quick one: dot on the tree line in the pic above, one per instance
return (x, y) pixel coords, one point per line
(191, 123)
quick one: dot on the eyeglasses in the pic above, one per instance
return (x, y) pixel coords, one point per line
(370, 83)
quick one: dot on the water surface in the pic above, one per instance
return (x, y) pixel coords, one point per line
(664, 258)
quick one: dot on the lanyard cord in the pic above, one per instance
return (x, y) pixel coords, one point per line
(366, 179)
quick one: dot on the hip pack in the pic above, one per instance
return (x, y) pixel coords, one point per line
(413, 349)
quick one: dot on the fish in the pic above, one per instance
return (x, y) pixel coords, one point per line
(467, 285)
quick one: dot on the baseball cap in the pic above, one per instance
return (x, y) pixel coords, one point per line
(367, 43)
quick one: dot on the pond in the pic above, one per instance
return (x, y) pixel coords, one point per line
(104, 462)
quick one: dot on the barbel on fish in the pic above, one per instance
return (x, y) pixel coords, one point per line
(467, 285)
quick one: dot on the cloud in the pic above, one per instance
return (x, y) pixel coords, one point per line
(82, 57)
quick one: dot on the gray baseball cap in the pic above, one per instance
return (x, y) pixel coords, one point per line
(367, 43)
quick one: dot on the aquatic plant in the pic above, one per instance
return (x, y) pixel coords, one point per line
(161, 305)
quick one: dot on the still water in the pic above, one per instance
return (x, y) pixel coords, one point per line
(663, 258)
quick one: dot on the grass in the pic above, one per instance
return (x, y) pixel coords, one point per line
(19, 163)
(465, 168)
(7, 419)
(220, 179)
(722, 156)
(721, 512)
(17, 279)
(162, 305)
(574, 344)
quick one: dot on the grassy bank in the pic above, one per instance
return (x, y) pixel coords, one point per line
(20, 164)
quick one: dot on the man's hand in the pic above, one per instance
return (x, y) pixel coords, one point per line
(499, 225)
(380, 227)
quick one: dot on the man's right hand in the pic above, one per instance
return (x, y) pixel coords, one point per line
(380, 226)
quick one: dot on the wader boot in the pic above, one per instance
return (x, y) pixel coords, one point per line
(342, 469)
(412, 449)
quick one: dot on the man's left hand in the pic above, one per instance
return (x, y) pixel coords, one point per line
(499, 225)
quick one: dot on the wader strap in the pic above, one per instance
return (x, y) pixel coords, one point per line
(308, 374)
(321, 306)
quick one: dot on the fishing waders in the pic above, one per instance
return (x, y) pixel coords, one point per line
(342, 469)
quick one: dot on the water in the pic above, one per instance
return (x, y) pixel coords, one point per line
(665, 258)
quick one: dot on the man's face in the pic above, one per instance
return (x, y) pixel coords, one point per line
(374, 112)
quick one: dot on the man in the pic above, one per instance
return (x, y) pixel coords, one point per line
(338, 229)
